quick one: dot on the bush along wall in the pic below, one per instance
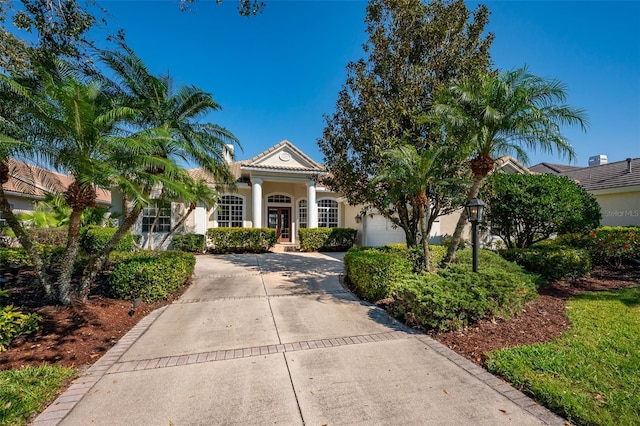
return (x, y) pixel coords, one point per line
(551, 262)
(241, 240)
(327, 239)
(150, 275)
(192, 243)
(94, 239)
(608, 245)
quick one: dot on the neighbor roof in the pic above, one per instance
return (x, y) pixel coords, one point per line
(605, 176)
(552, 168)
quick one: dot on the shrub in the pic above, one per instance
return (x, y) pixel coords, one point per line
(552, 262)
(326, 239)
(14, 323)
(150, 275)
(608, 244)
(456, 296)
(241, 240)
(14, 256)
(95, 238)
(50, 236)
(416, 254)
(372, 273)
(192, 243)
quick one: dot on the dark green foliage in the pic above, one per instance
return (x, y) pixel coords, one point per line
(326, 239)
(456, 296)
(150, 275)
(14, 323)
(416, 254)
(372, 273)
(192, 243)
(524, 209)
(552, 262)
(241, 240)
(95, 238)
(608, 245)
(50, 236)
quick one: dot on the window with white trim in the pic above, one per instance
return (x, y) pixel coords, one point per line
(279, 199)
(327, 214)
(302, 214)
(163, 214)
(230, 209)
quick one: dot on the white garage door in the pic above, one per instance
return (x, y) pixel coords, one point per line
(379, 231)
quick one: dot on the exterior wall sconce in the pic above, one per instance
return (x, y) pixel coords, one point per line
(358, 218)
(475, 210)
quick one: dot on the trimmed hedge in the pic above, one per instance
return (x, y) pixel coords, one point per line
(50, 236)
(456, 296)
(241, 240)
(192, 243)
(327, 239)
(150, 275)
(416, 254)
(608, 245)
(552, 262)
(94, 239)
(51, 256)
(373, 273)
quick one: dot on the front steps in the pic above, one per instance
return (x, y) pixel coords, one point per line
(285, 248)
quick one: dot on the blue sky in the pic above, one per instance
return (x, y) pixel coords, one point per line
(276, 74)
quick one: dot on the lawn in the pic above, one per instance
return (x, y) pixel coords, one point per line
(590, 374)
(24, 392)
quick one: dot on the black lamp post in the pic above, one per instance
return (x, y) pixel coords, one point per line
(475, 209)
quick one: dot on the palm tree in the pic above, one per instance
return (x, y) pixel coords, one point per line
(410, 176)
(505, 113)
(168, 122)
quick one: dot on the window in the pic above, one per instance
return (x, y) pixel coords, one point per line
(302, 214)
(327, 214)
(163, 213)
(279, 199)
(230, 212)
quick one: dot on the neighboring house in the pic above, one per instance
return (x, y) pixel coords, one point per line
(28, 184)
(616, 186)
(281, 188)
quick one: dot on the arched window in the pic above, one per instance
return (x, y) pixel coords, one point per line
(279, 199)
(302, 214)
(327, 214)
(230, 212)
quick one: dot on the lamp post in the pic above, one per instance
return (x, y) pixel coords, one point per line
(475, 209)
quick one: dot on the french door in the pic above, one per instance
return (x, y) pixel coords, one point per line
(280, 220)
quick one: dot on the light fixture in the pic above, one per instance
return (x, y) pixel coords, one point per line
(358, 218)
(475, 210)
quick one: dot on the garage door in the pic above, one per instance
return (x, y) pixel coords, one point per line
(378, 231)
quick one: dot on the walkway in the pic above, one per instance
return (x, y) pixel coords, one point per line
(275, 339)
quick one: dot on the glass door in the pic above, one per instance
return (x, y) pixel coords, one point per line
(280, 220)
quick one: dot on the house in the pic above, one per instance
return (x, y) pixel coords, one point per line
(28, 184)
(282, 188)
(616, 186)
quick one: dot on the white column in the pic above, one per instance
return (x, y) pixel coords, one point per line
(312, 206)
(256, 200)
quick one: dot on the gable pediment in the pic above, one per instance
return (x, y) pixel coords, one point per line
(283, 156)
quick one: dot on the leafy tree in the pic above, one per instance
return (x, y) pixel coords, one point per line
(524, 209)
(504, 113)
(413, 50)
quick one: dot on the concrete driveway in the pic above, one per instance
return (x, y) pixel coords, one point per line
(275, 339)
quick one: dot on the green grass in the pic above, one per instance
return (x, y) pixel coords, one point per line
(590, 374)
(25, 391)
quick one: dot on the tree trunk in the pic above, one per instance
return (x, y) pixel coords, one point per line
(192, 207)
(96, 263)
(25, 240)
(424, 225)
(63, 284)
(462, 221)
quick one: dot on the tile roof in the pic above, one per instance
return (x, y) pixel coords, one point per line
(34, 181)
(605, 176)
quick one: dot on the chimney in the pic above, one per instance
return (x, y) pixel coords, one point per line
(628, 165)
(228, 153)
(597, 160)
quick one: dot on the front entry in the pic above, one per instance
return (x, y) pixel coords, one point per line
(280, 220)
